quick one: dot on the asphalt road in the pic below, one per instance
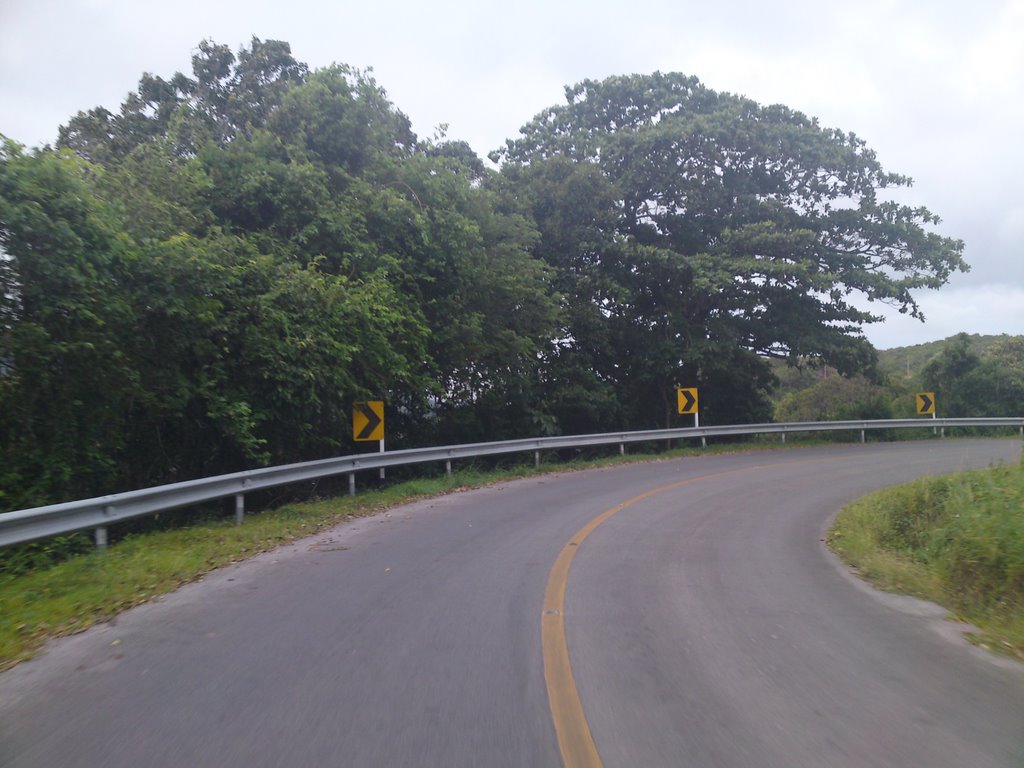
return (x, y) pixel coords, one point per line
(706, 625)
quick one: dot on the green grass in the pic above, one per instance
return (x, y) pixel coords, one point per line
(40, 598)
(957, 540)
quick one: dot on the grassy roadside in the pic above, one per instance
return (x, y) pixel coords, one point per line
(72, 595)
(957, 540)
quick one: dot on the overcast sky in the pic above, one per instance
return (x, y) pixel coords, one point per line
(936, 88)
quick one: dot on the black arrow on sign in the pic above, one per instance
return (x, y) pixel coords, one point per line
(926, 404)
(372, 421)
(691, 401)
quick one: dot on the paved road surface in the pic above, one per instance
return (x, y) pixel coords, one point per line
(706, 626)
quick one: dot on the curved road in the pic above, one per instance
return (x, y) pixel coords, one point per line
(705, 623)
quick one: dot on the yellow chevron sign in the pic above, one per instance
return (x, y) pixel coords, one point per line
(925, 403)
(368, 420)
(686, 399)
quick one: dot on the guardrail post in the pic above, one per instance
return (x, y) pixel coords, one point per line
(351, 483)
(703, 442)
(783, 436)
(448, 467)
(862, 439)
(942, 432)
(536, 459)
(622, 446)
(239, 508)
(101, 538)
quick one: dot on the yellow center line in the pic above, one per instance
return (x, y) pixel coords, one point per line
(571, 728)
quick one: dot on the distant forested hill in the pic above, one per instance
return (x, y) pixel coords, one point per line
(971, 375)
(909, 361)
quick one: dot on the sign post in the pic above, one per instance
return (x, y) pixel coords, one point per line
(368, 423)
(687, 404)
(924, 403)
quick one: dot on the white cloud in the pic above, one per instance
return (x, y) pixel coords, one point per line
(986, 309)
(993, 61)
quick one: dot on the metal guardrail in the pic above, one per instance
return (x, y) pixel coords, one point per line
(97, 513)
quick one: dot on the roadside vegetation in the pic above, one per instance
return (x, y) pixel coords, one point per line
(971, 376)
(957, 540)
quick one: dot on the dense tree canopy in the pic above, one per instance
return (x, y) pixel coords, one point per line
(968, 384)
(695, 230)
(206, 279)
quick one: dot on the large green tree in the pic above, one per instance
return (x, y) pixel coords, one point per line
(712, 230)
(206, 280)
(126, 361)
(63, 370)
(227, 96)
